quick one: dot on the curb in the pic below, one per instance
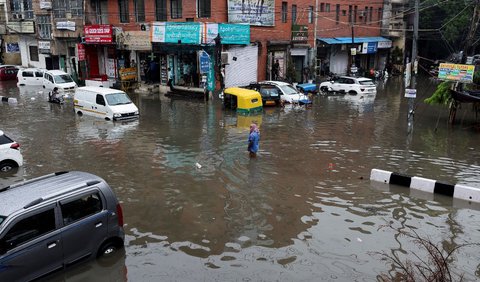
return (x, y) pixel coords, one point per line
(9, 100)
(427, 185)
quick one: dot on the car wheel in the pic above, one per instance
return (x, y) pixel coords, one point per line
(352, 92)
(7, 166)
(107, 249)
(79, 113)
(324, 89)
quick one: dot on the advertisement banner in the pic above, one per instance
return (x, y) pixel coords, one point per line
(456, 72)
(80, 52)
(158, 32)
(98, 33)
(186, 33)
(253, 12)
(12, 47)
(68, 25)
(128, 73)
(299, 33)
(234, 33)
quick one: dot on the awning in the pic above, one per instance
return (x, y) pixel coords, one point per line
(348, 40)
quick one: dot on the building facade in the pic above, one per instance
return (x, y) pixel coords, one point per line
(188, 42)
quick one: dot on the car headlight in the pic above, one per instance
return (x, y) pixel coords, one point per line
(117, 115)
(136, 113)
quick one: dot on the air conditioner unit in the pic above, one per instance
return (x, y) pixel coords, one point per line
(225, 58)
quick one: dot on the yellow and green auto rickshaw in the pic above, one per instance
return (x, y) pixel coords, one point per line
(243, 100)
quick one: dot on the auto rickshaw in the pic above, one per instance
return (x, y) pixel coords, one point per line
(243, 100)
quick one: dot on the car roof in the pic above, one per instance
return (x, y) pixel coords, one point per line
(101, 90)
(34, 69)
(56, 72)
(278, 83)
(21, 195)
(357, 78)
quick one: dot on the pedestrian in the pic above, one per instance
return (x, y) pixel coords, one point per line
(253, 140)
(275, 70)
(54, 96)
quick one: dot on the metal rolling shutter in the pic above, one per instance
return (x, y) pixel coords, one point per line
(243, 71)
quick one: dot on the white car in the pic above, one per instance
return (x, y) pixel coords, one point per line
(49, 79)
(10, 155)
(350, 85)
(288, 93)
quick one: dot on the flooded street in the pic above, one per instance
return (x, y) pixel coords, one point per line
(197, 208)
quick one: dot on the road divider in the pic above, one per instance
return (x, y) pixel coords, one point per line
(427, 185)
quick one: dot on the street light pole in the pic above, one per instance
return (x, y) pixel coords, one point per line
(414, 67)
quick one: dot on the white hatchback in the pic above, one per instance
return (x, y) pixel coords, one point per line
(288, 93)
(49, 79)
(350, 85)
(10, 155)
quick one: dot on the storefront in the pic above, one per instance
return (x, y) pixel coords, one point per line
(134, 50)
(100, 64)
(367, 53)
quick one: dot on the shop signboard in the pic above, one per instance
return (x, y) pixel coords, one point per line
(98, 33)
(136, 40)
(384, 44)
(80, 52)
(456, 72)
(21, 27)
(158, 32)
(185, 33)
(369, 48)
(44, 47)
(68, 25)
(410, 93)
(204, 60)
(261, 13)
(128, 73)
(234, 33)
(12, 47)
(299, 33)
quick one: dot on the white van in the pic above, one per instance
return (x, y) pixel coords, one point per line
(49, 79)
(107, 103)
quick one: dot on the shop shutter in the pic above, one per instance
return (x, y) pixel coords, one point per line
(243, 70)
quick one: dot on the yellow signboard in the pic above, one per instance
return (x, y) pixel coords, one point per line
(456, 72)
(128, 73)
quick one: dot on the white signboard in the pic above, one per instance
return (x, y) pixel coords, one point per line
(44, 45)
(384, 44)
(110, 71)
(410, 93)
(68, 25)
(158, 32)
(44, 4)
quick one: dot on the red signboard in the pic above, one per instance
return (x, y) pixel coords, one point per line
(98, 33)
(81, 52)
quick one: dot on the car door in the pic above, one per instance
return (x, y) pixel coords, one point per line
(30, 246)
(38, 77)
(336, 84)
(48, 82)
(85, 225)
(26, 77)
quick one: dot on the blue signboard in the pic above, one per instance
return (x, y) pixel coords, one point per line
(204, 59)
(185, 33)
(234, 33)
(372, 47)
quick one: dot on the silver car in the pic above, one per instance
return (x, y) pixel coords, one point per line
(54, 221)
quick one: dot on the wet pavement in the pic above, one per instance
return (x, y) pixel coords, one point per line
(198, 208)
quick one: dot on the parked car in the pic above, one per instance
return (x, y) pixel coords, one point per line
(8, 72)
(102, 102)
(54, 221)
(350, 85)
(10, 154)
(288, 93)
(49, 79)
(270, 93)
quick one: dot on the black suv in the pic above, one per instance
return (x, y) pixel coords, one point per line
(270, 93)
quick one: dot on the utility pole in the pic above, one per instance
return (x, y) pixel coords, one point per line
(414, 68)
(467, 49)
(315, 42)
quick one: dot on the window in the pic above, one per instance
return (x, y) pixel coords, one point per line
(370, 14)
(38, 74)
(76, 8)
(50, 78)
(81, 207)
(365, 14)
(44, 26)
(322, 7)
(350, 15)
(327, 8)
(123, 8)
(284, 12)
(355, 13)
(21, 9)
(294, 13)
(204, 8)
(176, 9)
(28, 229)
(27, 74)
(100, 100)
(310, 14)
(71, 51)
(33, 53)
(161, 10)
(379, 16)
(67, 8)
(5, 140)
(337, 13)
(139, 10)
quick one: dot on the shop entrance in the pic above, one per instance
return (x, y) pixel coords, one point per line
(186, 70)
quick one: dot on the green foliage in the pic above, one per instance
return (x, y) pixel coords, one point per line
(442, 95)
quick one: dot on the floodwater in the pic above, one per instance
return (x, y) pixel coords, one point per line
(197, 208)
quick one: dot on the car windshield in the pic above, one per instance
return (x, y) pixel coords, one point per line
(366, 82)
(288, 90)
(118, 99)
(269, 91)
(2, 218)
(63, 78)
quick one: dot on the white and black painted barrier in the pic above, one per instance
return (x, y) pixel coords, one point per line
(8, 100)
(427, 185)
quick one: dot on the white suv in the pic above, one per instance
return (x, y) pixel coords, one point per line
(10, 155)
(350, 85)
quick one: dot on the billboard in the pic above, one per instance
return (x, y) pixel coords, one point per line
(253, 12)
(456, 72)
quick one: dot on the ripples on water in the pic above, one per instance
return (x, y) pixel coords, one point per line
(304, 210)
